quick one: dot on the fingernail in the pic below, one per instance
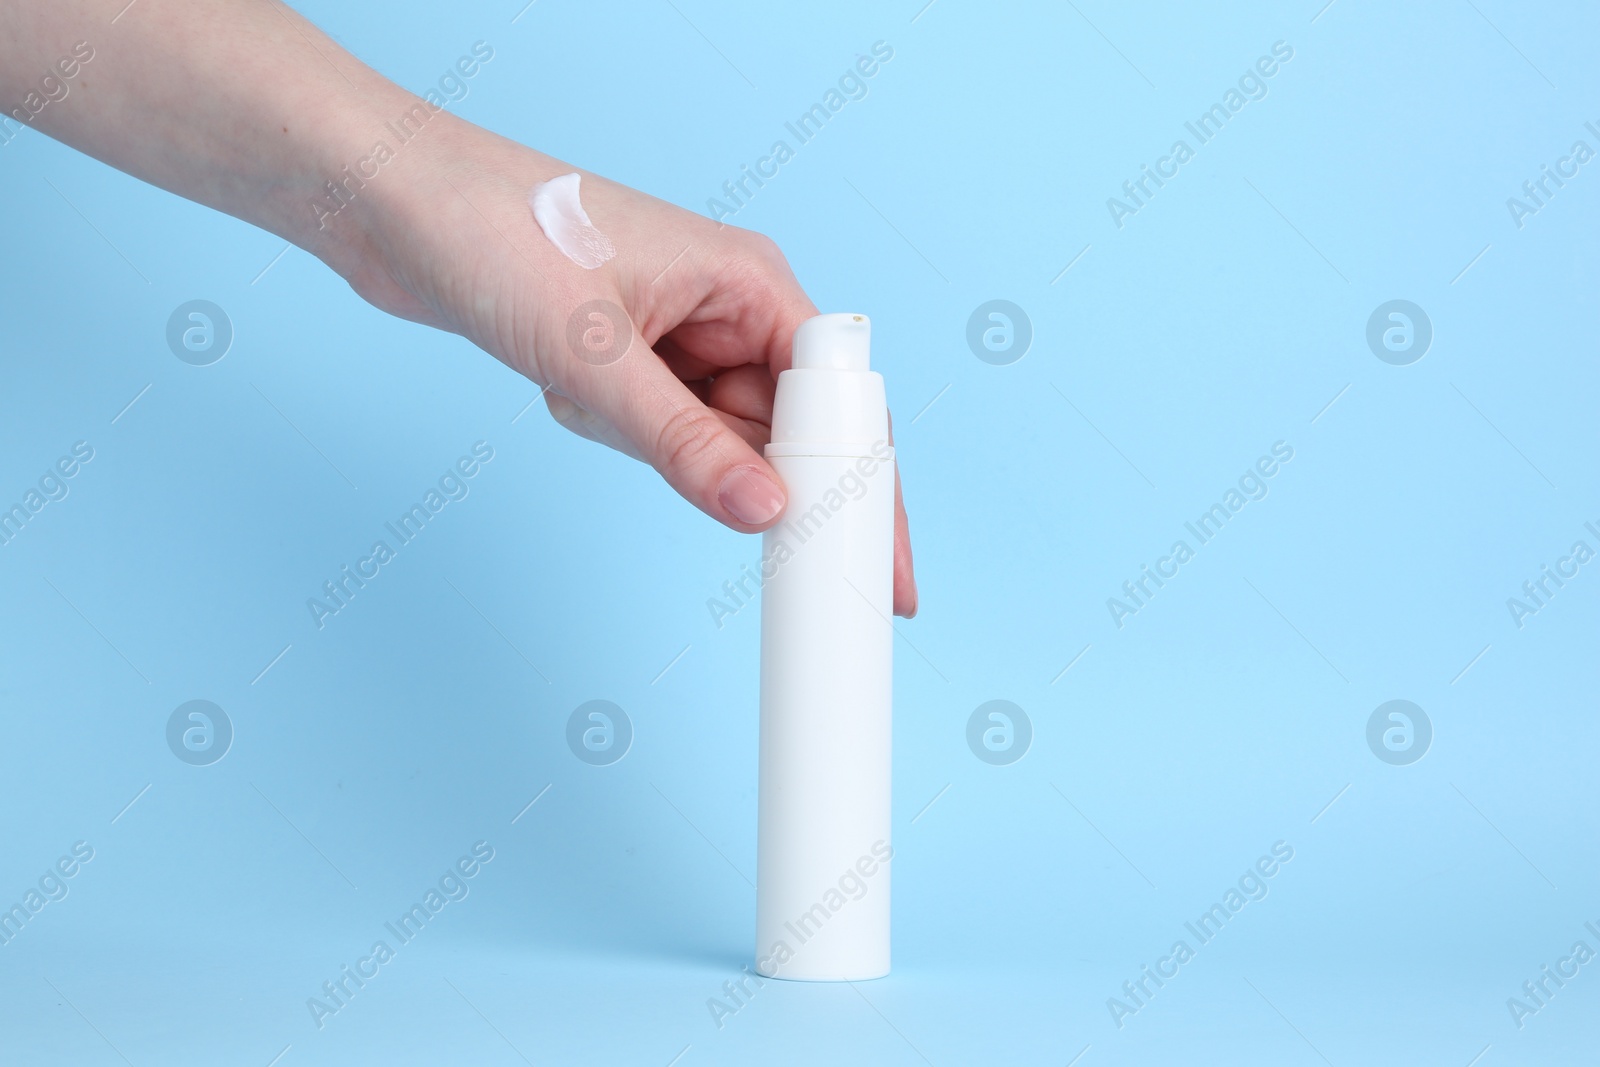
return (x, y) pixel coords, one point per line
(750, 496)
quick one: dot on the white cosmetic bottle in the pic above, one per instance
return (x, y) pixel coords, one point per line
(827, 645)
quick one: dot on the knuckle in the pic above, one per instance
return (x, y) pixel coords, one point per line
(757, 266)
(686, 437)
(765, 250)
(762, 242)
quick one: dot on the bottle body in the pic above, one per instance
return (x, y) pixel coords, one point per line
(823, 836)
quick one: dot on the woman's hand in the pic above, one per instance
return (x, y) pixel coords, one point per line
(668, 352)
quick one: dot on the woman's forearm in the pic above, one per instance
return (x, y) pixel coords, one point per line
(243, 106)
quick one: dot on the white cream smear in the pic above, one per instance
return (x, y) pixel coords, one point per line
(560, 215)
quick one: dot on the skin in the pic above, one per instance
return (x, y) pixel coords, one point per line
(246, 107)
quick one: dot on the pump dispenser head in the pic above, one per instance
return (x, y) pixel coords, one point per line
(834, 342)
(830, 402)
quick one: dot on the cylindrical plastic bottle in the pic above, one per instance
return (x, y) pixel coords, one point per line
(827, 643)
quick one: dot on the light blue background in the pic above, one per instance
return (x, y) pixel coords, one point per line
(1226, 315)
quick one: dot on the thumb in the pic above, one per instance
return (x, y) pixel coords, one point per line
(688, 443)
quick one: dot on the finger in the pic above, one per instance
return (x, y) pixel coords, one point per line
(699, 454)
(686, 365)
(905, 578)
(747, 392)
(905, 581)
(750, 318)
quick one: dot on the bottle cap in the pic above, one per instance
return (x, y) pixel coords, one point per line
(830, 402)
(834, 342)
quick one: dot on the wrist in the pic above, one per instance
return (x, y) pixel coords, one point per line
(391, 195)
(338, 193)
